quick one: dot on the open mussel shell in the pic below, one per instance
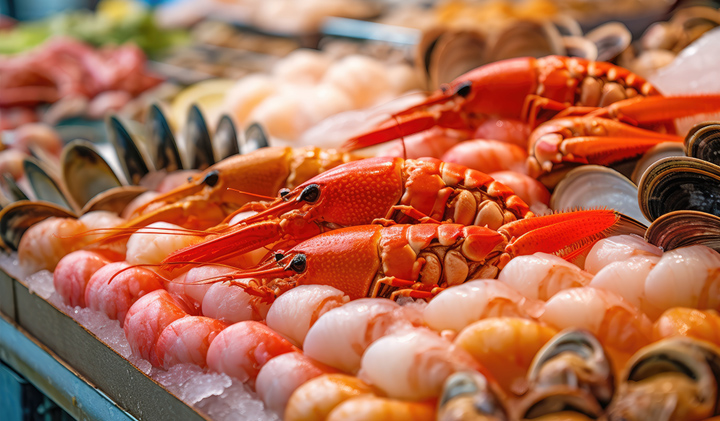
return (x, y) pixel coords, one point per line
(685, 228)
(113, 200)
(679, 183)
(17, 217)
(654, 154)
(680, 370)
(594, 186)
(11, 189)
(575, 358)
(44, 187)
(255, 137)
(132, 160)
(85, 172)
(525, 38)
(161, 141)
(703, 142)
(226, 139)
(198, 142)
(468, 395)
(611, 39)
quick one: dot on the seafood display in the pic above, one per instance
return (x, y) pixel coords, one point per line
(536, 237)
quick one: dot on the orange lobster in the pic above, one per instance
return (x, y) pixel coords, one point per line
(612, 99)
(527, 89)
(604, 136)
(385, 190)
(207, 198)
(416, 260)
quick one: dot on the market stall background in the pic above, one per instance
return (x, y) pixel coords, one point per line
(100, 101)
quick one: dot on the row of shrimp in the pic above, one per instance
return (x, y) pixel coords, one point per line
(314, 348)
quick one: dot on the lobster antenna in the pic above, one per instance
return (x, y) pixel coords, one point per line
(260, 196)
(401, 136)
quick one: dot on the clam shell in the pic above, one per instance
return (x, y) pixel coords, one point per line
(594, 186)
(556, 400)
(663, 363)
(685, 228)
(197, 138)
(85, 172)
(567, 25)
(611, 39)
(580, 47)
(469, 395)
(577, 351)
(453, 54)
(679, 183)
(526, 38)
(161, 141)
(17, 217)
(654, 154)
(45, 187)
(133, 161)
(703, 142)
(226, 139)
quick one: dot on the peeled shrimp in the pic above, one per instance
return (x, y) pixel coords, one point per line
(244, 348)
(186, 340)
(146, 320)
(619, 326)
(45, 243)
(145, 246)
(302, 66)
(488, 156)
(413, 365)
(293, 313)
(230, 303)
(542, 275)
(282, 375)
(341, 335)
(685, 277)
(189, 283)
(617, 249)
(367, 407)
(505, 346)
(681, 321)
(457, 307)
(627, 279)
(531, 191)
(316, 398)
(362, 78)
(114, 288)
(73, 272)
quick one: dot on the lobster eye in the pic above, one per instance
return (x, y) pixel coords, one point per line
(464, 89)
(297, 264)
(279, 257)
(212, 178)
(310, 194)
(284, 192)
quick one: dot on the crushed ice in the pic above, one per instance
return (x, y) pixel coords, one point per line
(237, 402)
(11, 265)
